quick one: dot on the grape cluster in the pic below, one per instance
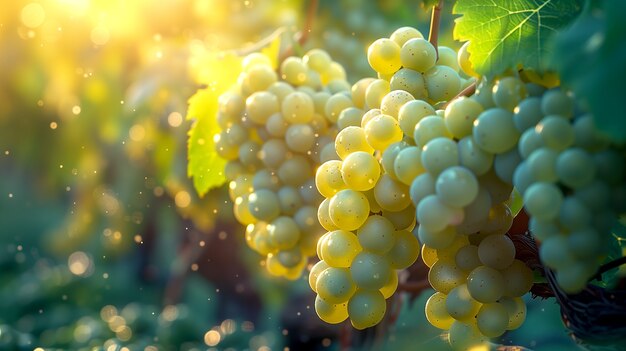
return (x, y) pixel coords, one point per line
(274, 131)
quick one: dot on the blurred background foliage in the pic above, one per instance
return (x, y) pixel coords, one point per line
(104, 244)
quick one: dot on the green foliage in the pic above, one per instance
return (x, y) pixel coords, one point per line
(589, 57)
(508, 33)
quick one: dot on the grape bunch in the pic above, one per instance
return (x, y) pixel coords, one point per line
(274, 131)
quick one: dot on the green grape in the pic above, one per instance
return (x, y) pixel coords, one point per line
(236, 134)
(575, 167)
(290, 258)
(556, 102)
(403, 219)
(358, 92)
(297, 107)
(370, 271)
(460, 304)
(306, 219)
(273, 265)
(410, 81)
(383, 56)
(527, 114)
(389, 156)
(408, 164)
(360, 171)
(242, 212)
(436, 312)
(375, 92)
(260, 106)
(242, 185)
(587, 136)
(494, 131)
(492, 319)
(483, 94)
(418, 54)
(317, 59)
(382, 131)
(429, 128)
(529, 142)
(445, 275)
(574, 214)
(391, 195)
(518, 279)
(264, 205)
(436, 240)
(265, 179)
(335, 104)
(505, 164)
(572, 279)
(429, 256)
(320, 99)
(498, 190)
(366, 308)
(508, 92)
(485, 284)
(585, 243)
(411, 113)
(273, 153)
(434, 215)
(457, 186)
(300, 137)
(467, 258)
(289, 200)
(369, 115)
(253, 233)
(543, 200)
(391, 286)
(293, 71)
(339, 248)
(350, 140)
(594, 195)
(496, 251)
(283, 232)
(393, 101)
(554, 252)
(405, 250)
(472, 157)
(253, 59)
(522, 177)
(464, 336)
(516, 309)
(460, 115)
(476, 213)
(464, 62)
(276, 125)
(448, 57)
(323, 216)
(499, 221)
(331, 313)
(309, 193)
(328, 153)
(350, 116)
(442, 83)
(259, 78)
(439, 154)
(295, 170)
(542, 229)
(348, 209)
(281, 90)
(231, 103)
(335, 72)
(233, 169)
(224, 148)
(377, 234)
(335, 285)
(403, 34)
(374, 206)
(556, 132)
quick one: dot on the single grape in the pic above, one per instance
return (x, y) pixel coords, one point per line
(436, 312)
(496, 251)
(543, 200)
(445, 276)
(494, 130)
(492, 319)
(508, 92)
(439, 154)
(442, 83)
(418, 54)
(457, 186)
(339, 248)
(335, 285)
(460, 304)
(348, 209)
(485, 284)
(370, 271)
(377, 234)
(366, 308)
(460, 115)
(329, 312)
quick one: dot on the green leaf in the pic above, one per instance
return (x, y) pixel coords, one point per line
(506, 33)
(589, 57)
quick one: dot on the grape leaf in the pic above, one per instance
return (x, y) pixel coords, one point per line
(506, 33)
(590, 58)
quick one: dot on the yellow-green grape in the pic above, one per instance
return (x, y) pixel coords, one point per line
(265, 179)
(457, 186)
(273, 265)
(543, 200)
(328, 153)
(587, 134)
(259, 78)
(508, 92)
(449, 253)
(360, 171)
(335, 104)
(492, 319)
(256, 238)
(518, 279)
(290, 258)
(233, 169)
(253, 59)
(485, 284)
(323, 216)
(249, 154)
(467, 258)
(316, 270)
(295, 272)
(283, 232)
(575, 167)
(276, 125)
(242, 211)
(350, 140)
(429, 256)
(516, 309)
(358, 92)
(391, 286)
(298, 107)
(328, 178)
(460, 115)
(320, 99)
(505, 164)
(436, 239)
(389, 157)
(281, 90)
(350, 116)
(339, 248)
(317, 59)
(375, 92)
(496, 251)
(289, 200)
(494, 130)
(408, 164)
(499, 220)
(334, 72)
(391, 195)
(263, 204)
(527, 113)
(369, 115)
(231, 103)
(295, 170)
(348, 209)
(411, 113)
(422, 186)
(464, 62)
(335, 285)
(557, 102)
(436, 312)
(448, 57)
(240, 186)
(366, 308)
(434, 215)
(273, 153)
(383, 56)
(331, 313)
(377, 234)
(465, 336)
(410, 81)
(473, 157)
(293, 71)
(393, 101)
(300, 137)
(320, 243)
(498, 190)
(444, 276)
(405, 250)
(556, 132)
(439, 154)
(403, 219)
(403, 34)
(261, 105)
(224, 148)
(382, 131)
(370, 271)
(460, 304)
(418, 54)
(429, 128)
(442, 83)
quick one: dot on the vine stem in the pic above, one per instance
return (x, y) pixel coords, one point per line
(469, 91)
(261, 43)
(435, 20)
(608, 266)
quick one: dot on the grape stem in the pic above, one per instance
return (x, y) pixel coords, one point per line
(303, 36)
(608, 266)
(469, 91)
(435, 20)
(261, 43)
